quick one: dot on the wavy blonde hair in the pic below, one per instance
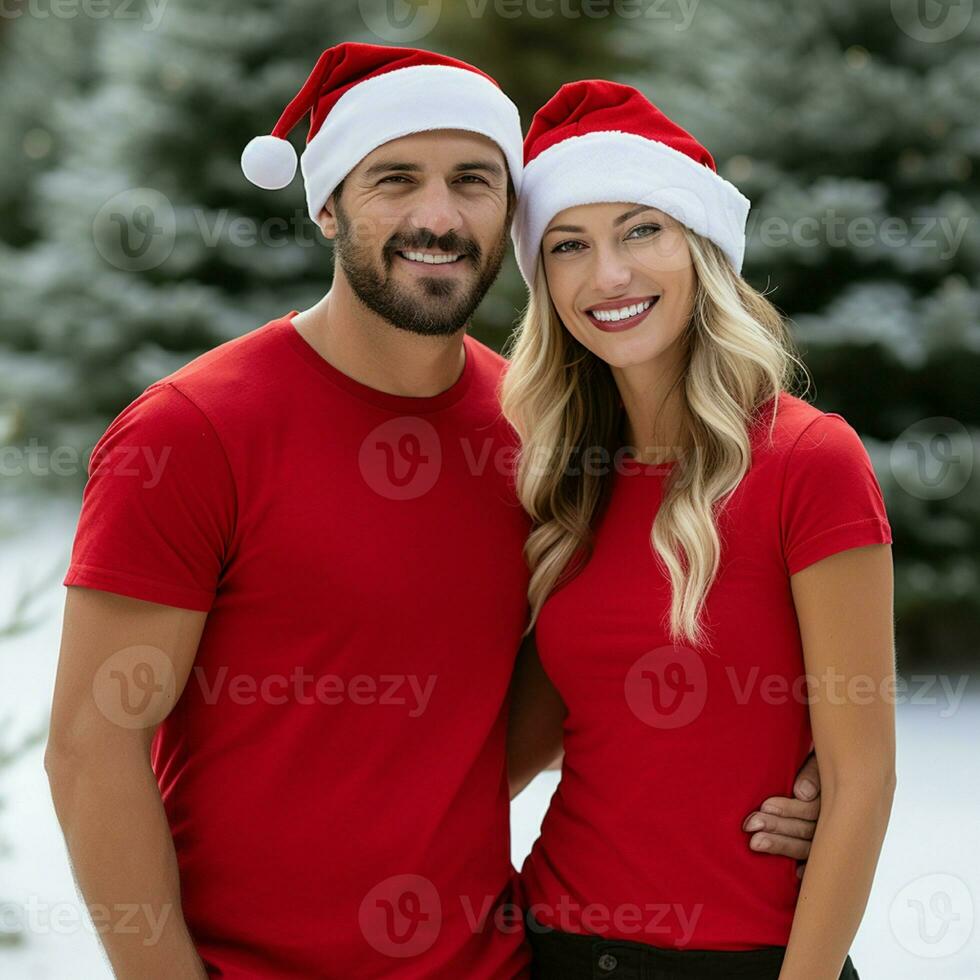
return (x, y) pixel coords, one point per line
(562, 399)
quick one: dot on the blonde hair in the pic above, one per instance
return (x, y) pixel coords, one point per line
(561, 398)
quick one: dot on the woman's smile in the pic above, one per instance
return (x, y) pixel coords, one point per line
(618, 315)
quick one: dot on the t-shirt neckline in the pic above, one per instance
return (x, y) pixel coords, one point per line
(402, 404)
(631, 466)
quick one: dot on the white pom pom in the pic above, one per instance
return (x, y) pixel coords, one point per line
(269, 162)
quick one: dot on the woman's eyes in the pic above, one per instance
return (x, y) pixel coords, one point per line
(646, 230)
(640, 231)
(569, 246)
(634, 234)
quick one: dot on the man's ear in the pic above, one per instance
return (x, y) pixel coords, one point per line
(511, 198)
(327, 220)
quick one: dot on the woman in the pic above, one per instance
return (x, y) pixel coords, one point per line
(711, 574)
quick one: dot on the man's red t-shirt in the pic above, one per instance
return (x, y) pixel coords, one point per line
(668, 749)
(334, 772)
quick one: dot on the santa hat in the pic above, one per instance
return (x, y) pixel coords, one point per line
(597, 142)
(362, 95)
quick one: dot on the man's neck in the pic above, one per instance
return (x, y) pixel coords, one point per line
(370, 350)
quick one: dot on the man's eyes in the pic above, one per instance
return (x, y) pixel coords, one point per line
(404, 178)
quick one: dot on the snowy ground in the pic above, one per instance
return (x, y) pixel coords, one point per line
(919, 923)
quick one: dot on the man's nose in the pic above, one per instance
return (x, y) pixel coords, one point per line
(435, 210)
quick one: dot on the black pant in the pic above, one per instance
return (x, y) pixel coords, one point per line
(567, 956)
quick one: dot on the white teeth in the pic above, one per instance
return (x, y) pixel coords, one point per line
(612, 316)
(430, 259)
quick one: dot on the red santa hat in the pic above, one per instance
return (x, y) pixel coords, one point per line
(362, 95)
(595, 142)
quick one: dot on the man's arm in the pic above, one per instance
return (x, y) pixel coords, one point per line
(123, 665)
(786, 825)
(534, 733)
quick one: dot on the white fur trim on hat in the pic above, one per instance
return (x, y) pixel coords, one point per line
(611, 166)
(401, 102)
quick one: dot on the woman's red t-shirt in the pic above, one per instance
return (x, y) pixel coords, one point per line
(667, 749)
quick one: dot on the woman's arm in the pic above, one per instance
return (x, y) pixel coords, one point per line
(844, 605)
(536, 715)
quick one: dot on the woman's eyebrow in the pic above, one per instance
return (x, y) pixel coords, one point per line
(633, 213)
(576, 230)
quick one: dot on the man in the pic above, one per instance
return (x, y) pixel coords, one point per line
(297, 587)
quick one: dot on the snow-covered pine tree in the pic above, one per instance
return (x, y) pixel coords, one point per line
(150, 244)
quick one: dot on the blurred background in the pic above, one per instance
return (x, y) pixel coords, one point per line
(130, 242)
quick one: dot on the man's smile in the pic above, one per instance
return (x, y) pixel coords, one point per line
(431, 261)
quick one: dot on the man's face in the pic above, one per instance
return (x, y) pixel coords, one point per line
(421, 228)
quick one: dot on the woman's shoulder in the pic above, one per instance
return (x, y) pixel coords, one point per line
(800, 432)
(779, 423)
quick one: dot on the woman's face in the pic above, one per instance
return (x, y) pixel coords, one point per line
(621, 278)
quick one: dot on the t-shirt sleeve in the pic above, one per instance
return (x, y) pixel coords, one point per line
(831, 499)
(159, 507)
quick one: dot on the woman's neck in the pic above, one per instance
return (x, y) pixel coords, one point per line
(655, 426)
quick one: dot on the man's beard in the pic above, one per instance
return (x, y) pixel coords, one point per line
(444, 306)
